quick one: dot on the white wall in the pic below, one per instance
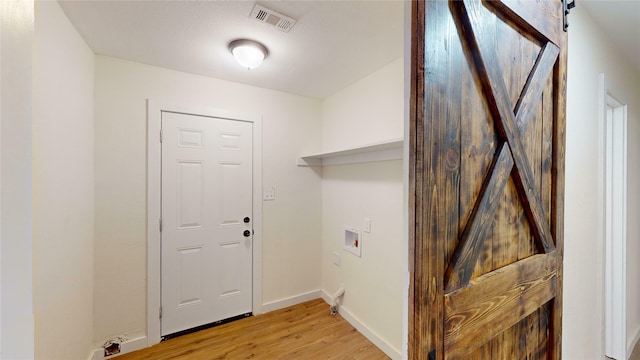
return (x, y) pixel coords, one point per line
(368, 111)
(63, 195)
(16, 23)
(590, 53)
(291, 232)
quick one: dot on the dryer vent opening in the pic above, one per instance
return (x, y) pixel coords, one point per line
(272, 18)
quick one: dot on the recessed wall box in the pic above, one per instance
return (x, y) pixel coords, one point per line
(352, 241)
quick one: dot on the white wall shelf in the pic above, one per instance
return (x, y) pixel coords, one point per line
(380, 151)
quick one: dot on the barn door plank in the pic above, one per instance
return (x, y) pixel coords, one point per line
(497, 301)
(537, 82)
(557, 212)
(542, 19)
(464, 258)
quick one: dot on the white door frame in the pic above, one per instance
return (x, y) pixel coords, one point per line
(154, 117)
(614, 201)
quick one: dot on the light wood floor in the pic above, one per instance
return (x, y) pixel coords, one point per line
(304, 331)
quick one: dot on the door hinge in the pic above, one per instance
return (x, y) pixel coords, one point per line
(160, 313)
(160, 223)
(160, 135)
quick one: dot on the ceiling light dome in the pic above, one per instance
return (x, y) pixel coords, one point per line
(248, 53)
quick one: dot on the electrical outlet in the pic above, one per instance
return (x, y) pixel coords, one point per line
(269, 194)
(336, 258)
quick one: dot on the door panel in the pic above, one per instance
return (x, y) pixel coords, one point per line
(190, 269)
(229, 173)
(487, 144)
(206, 263)
(190, 194)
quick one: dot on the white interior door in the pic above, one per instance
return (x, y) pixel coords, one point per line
(206, 254)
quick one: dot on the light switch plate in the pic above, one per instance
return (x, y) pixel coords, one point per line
(367, 225)
(269, 194)
(336, 258)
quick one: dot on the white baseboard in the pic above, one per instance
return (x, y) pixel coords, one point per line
(290, 301)
(364, 330)
(633, 343)
(125, 348)
(326, 297)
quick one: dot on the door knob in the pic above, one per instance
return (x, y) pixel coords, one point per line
(246, 233)
(246, 220)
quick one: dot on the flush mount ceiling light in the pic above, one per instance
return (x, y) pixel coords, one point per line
(248, 53)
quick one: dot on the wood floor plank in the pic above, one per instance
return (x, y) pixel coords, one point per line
(303, 331)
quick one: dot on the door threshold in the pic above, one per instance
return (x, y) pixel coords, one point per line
(205, 326)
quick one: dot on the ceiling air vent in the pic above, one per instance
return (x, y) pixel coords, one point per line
(273, 18)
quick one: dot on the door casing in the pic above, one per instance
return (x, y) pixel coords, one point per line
(154, 115)
(615, 263)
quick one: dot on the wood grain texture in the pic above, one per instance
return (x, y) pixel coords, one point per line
(542, 19)
(528, 111)
(536, 82)
(421, 304)
(492, 84)
(479, 143)
(511, 229)
(304, 331)
(505, 346)
(415, 183)
(452, 99)
(439, 206)
(462, 264)
(547, 148)
(544, 330)
(501, 107)
(557, 218)
(497, 301)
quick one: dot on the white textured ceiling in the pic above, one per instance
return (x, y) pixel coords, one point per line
(333, 43)
(620, 20)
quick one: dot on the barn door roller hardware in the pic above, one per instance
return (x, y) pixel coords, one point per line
(567, 5)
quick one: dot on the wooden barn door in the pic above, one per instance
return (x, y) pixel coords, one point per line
(487, 178)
